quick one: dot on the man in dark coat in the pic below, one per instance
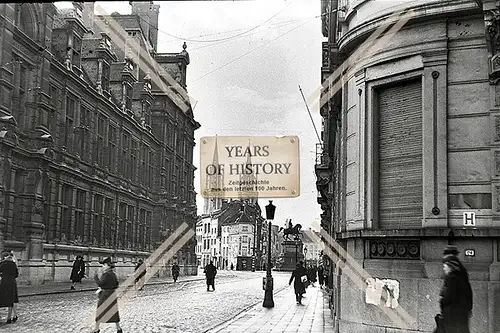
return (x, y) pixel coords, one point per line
(8, 286)
(456, 297)
(140, 272)
(107, 306)
(210, 273)
(321, 277)
(298, 285)
(77, 272)
(175, 271)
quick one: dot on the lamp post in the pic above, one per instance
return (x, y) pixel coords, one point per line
(268, 295)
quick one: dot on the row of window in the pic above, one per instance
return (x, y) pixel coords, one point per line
(94, 222)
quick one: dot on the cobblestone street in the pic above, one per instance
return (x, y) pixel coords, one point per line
(180, 307)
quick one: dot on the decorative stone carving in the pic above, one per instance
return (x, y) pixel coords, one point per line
(395, 249)
(492, 23)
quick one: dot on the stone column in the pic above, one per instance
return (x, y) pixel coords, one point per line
(34, 268)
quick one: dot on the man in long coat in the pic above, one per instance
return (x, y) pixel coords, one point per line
(298, 285)
(456, 297)
(210, 273)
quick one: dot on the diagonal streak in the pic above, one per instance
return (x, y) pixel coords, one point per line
(130, 281)
(148, 64)
(359, 276)
(365, 50)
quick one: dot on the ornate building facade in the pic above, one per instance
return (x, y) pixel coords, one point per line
(96, 139)
(410, 156)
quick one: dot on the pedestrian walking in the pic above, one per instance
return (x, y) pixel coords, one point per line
(321, 277)
(455, 296)
(175, 271)
(299, 274)
(8, 286)
(140, 272)
(312, 275)
(232, 266)
(210, 273)
(77, 272)
(107, 283)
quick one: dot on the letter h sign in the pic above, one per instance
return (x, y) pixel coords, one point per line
(469, 219)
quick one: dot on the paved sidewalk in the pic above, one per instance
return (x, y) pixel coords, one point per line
(312, 316)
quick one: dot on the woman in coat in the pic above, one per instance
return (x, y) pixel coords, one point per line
(107, 306)
(77, 272)
(298, 285)
(456, 298)
(8, 286)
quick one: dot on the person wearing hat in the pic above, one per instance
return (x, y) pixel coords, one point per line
(77, 272)
(8, 286)
(140, 272)
(300, 276)
(108, 283)
(455, 296)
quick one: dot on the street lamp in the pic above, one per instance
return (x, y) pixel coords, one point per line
(268, 295)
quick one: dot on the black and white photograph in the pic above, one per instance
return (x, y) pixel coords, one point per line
(250, 166)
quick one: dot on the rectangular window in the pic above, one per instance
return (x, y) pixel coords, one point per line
(244, 228)
(130, 227)
(150, 168)
(100, 147)
(133, 159)
(470, 201)
(105, 76)
(144, 157)
(128, 97)
(77, 49)
(148, 230)
(82, 145)
(112, 148)
(80, 216)
(96, 237)
(70, 122)
(142, 225)
(125, 163)
(109, 224)
(66, 205)
(122, 223)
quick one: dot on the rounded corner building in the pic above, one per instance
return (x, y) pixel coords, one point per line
(410, 158)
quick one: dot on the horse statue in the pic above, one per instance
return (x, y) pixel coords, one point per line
(291, 230)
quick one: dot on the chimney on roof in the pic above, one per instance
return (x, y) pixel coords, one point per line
(88, 15)
(148, 17)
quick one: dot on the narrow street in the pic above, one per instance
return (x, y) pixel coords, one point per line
(180, 307)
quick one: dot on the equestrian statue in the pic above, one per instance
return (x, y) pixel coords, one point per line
(291, 230)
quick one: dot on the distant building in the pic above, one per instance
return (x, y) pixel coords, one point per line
(231, 235)
(96, 141)
(312, 248)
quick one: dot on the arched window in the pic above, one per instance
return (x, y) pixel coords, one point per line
(26, 20)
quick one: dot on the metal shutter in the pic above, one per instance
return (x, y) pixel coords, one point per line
(400, 155)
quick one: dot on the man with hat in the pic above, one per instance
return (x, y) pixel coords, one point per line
(107, 306)
(456, 295)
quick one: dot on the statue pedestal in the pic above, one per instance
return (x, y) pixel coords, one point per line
(292, 254)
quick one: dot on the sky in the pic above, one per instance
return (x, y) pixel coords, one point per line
(247, 60)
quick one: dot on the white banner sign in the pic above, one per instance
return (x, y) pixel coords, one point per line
(249, 166)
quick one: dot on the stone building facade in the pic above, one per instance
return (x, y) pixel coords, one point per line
(232, 234)
(410, 153)
(96, 139)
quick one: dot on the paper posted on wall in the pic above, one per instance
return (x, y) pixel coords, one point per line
(382, 292)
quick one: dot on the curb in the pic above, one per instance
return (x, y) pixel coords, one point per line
(228, 322)
(56, 292)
